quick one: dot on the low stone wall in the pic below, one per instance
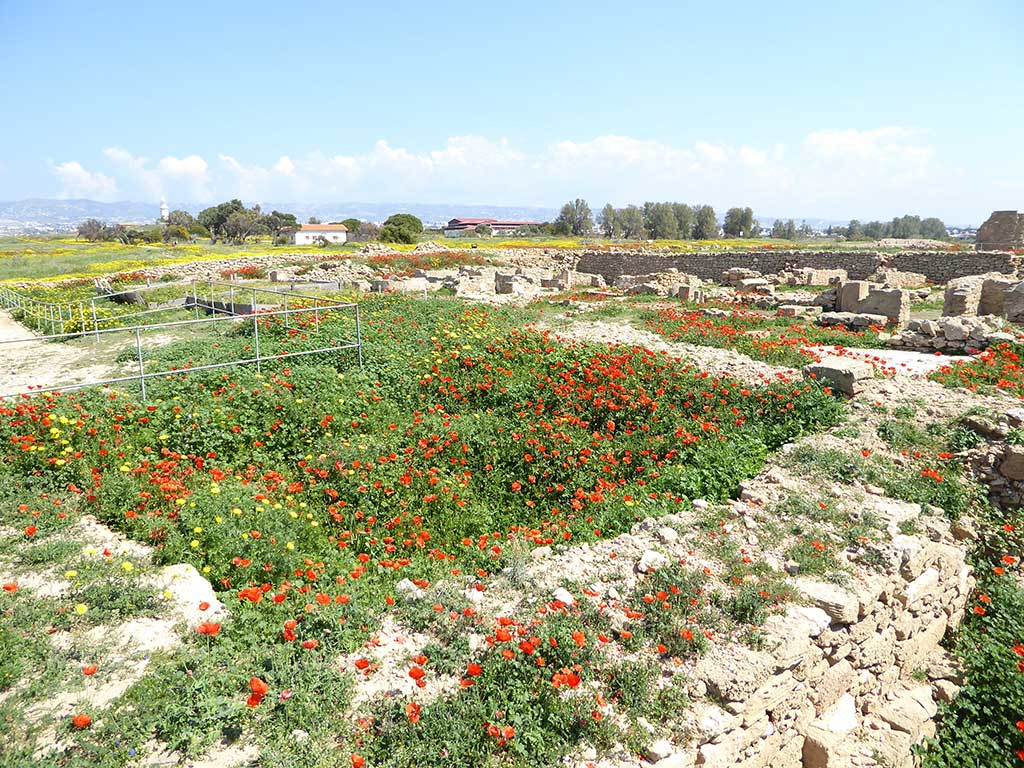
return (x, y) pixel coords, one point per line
(850, 679)
(936, 266)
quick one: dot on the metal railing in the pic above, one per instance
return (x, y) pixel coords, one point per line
(257, 317)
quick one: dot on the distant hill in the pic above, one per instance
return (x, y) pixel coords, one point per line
(39, 216)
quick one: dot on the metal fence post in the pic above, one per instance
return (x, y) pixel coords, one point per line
(142, 369)
(359, 338)
(95, 320)
(256, 334)
(316, 315)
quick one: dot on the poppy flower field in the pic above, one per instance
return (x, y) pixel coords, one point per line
(326, 503)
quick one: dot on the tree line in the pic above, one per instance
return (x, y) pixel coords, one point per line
(901, 227)
(655, 221)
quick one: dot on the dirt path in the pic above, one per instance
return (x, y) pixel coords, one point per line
(38, 364)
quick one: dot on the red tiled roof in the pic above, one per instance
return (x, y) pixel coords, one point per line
(323, 228)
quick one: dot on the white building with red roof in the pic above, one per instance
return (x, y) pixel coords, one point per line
(310, 234)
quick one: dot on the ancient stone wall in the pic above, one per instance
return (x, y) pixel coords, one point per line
(847, 680)
(937, 266)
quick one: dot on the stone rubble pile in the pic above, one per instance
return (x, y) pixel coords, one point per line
(952, 334)
(670, 283)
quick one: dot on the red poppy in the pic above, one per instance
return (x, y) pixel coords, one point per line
(208, 628)
(81, 721)
(474, 669)
(89, 669)
(412, 711)
(358, 761)
(10, 587)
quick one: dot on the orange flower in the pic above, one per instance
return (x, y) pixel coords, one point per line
(81, 721)
(89, 670)
(474, 669)
(362, 664)
(358, 761)
(10, 587)
(978, 610)
(416, 673)
(412, 711)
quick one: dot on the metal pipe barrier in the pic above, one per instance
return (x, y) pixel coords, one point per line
(143, 375)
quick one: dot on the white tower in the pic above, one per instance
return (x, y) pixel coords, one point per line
(165, 212)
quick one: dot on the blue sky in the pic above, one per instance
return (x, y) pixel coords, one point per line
(840, 109)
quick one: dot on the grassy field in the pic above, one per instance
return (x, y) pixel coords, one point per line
(66, 258)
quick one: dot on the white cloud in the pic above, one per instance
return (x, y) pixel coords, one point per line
(185, 178)
(75, 181)
(285, 166)
(827, 172)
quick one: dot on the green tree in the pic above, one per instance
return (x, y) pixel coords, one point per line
(806, 231)
(631, 222)
(608, 220)
(748, 225)
(180, 219)
(92, 230)
(790, 230)
(855, 230)
(482, 230)
(574, 218)
(705, 224)
(733, 224)
(352, 225)
(876, 230)
(779, 229)
(405, 221)
(684, 220)
(933, 229)
(662, 223)
(275, 221)
(314, 220)
(241, 225)
(214, 217)
(904, 227)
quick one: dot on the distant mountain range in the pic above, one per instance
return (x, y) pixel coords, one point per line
(39, 215)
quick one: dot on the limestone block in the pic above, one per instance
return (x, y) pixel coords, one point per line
(1013, 303)
(735, 673)
(878, 650)
(910, 710)
(840, 604)
(916, 651)
(837, 681)
(851, 293)
(816, 618)
(651, 560)
(766, 698)
(826, 742)
(925, 588)
(711, 721)
(894, 303)
(846, 376)
(963, 296)
(1012, 465)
